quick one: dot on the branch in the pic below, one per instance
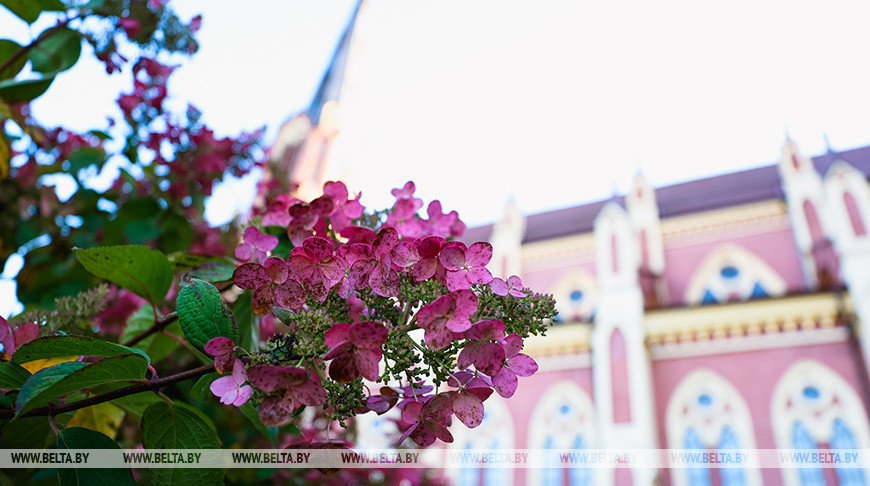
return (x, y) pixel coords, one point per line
(153, 385)
(39, 40)
(162, 323)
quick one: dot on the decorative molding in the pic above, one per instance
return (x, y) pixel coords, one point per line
(779, 316)
(564, 339)
(813, 337)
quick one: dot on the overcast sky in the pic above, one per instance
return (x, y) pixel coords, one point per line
(553, 103)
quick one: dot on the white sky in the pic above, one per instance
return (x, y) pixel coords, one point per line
(552, 102)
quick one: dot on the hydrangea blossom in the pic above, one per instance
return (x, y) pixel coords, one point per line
(255, 246)
(355, 350)
(468, 398)
(421, 254)
(13, 339)
(316, 266)
(294, 387)
(428, 421)
(516, 364)
(484, 350)
(466, 265)
(345, 210)
(270, 283)
(232, 389)
(376, 270)
(446, 316)
(222, 349)
(513, 286)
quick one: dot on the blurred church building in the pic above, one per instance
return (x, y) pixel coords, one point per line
(723, 313)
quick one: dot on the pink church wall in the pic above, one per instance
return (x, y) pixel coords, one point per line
(543, 279)
(776, 248)
(755, 374)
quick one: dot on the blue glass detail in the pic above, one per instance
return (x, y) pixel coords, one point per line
(729, 272)
(705, 400)
(552, 474)
(495, 476)
(708, 298)
(565, 409)
(579, 476)
(698, 476)
(758, 292)
(811, 392)
(576, 295)
(731, 476)
(469, 475)
(843, 439)
(801, 439)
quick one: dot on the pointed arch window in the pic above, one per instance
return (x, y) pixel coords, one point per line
(707, 413)
(815, 408)
(496, 431)
(732, 273)
(854, 212)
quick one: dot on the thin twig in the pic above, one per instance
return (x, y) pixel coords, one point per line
(153, 385)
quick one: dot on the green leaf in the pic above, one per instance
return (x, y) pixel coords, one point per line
(213, 272)
(204, 315)
(54, 382)
(82, 438)
(251, 414)
(12, 376)
(179, 427)
(29, 10)
(25, 433)
(8, 49)
(157, 345)
(183, 261)
(142, 270)
(85, 157)
(13, 91)
(58, 50)
(135, 405)
(201, 389)
(54, 346)
(248, 328)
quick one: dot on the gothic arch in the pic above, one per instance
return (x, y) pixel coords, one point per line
(811, 404)
(708, 409)
(576, 295)
(496, 431)
(564, 418)
(732, 272)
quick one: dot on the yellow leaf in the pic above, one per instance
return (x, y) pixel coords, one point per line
(105, 418)
(5, 157)
(34, 366)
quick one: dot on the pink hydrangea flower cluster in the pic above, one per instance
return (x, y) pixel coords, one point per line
(333, 253)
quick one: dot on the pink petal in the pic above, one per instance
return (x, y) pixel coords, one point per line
(275, 411)
(290, 295)
(523, 365)
(439, 338)
(26, 333)
(249, 276)
(263, 299)
(333, 269)
(479, 276)
(452, 256)
(411, 412)
(424, 269)
(515, 282)
(320, 247)
(505, 382)
(243, 251)
(219, 345)
(429, 246)
(268, 378)
(358, 234)
(498, 286)
(337, 334)
(239, 375)
(352, 252)
(489, 358)
(479, 254)
(353, 209)
(457, 280)
(491, 329)
(251, 234)
(276, 269)
(223, 363)
(223, 385)
(229, 397)
(369, 334)
(267, 242)
(336, 190)
(343, 368)
(466, 303)
(309, 393)
(367, 361)
(468, 409)
(512, 345)
(342, 348)
(244, 395)
(385, 241)
(405, 254)
(384, 281)
(517, 293)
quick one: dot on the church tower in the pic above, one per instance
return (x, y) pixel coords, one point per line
(643, 210)
(622, 379)
(300, 160)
